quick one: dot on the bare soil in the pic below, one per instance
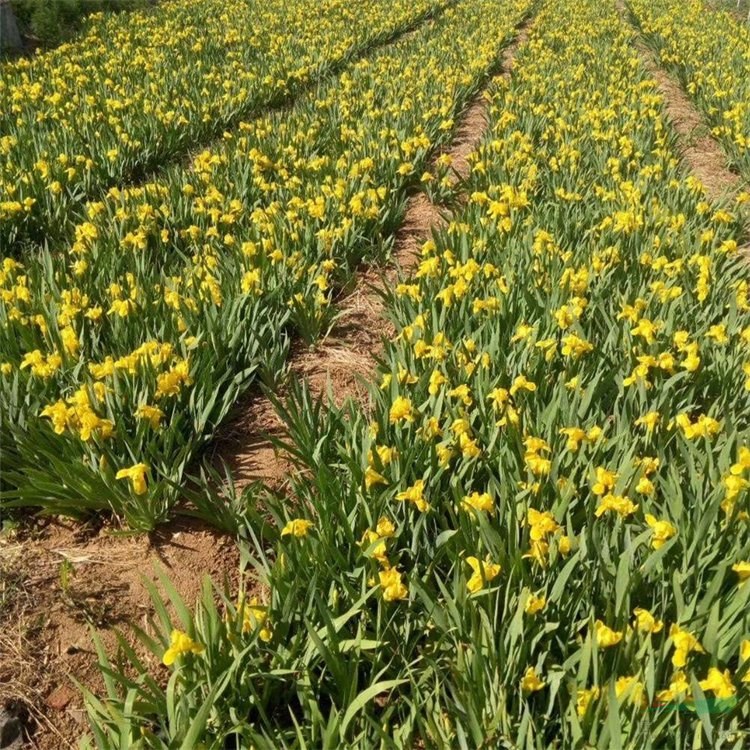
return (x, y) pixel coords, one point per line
(60, 580)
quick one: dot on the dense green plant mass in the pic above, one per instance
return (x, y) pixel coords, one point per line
(53, 21)
(138, 89)
(536, 533)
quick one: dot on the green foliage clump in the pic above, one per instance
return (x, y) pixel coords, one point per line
(53, 21)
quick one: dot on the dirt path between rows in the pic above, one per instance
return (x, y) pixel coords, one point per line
(344, 361)
(701, 153)
(59, 579)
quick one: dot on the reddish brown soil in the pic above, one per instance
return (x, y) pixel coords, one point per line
(45, 631)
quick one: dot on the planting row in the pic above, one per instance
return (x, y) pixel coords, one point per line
(538, 535)
(709, 50)
(122, 355)
(138, 89)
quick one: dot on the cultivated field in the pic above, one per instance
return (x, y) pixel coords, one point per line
(378, 376)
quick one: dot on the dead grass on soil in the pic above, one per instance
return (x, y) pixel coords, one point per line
(60, 580)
